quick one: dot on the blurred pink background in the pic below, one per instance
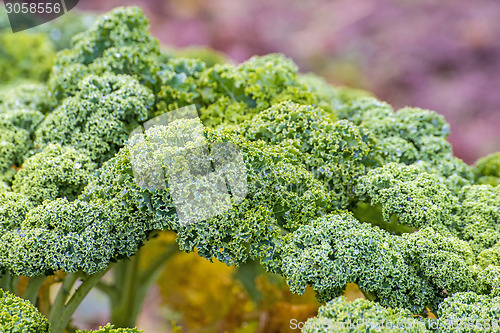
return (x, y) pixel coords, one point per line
(441, 55)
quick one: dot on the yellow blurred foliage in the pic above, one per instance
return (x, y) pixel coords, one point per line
(203, 292)
(209, 298)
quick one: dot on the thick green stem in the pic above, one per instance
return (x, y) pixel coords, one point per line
(109, 290)
(13, 284)
(60, 320)
(122, 305)
(151, 274)
(62, 295)
(5, 281)
(34, 284)
(131, 287)
(369, 295)
(9, 282)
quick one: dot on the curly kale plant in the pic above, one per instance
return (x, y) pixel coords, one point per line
(19, 315)
(339, 188)
(339, 315)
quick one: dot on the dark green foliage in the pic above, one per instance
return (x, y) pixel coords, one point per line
(99, 118)
(469, 312)
(14, 143)
(20, 316)
(442, 260)
(337, 249)
(339, 315)
(55, 172)
(231, 93)
(179, 84)
(238, 233)
(84, 234)
(25, 96)
(115, 190)
(70, 236)
(13, 209)
(336, 153)
(478, 216)
(412, 271)
(21, 111)
(22, 118)
(117, 43)
(408, 195)
(409, 136)
(226, 93)
(360, 109)
(487, 170)
(488, 282)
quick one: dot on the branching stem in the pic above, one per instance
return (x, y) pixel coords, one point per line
(34, 285)
(61, 313)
